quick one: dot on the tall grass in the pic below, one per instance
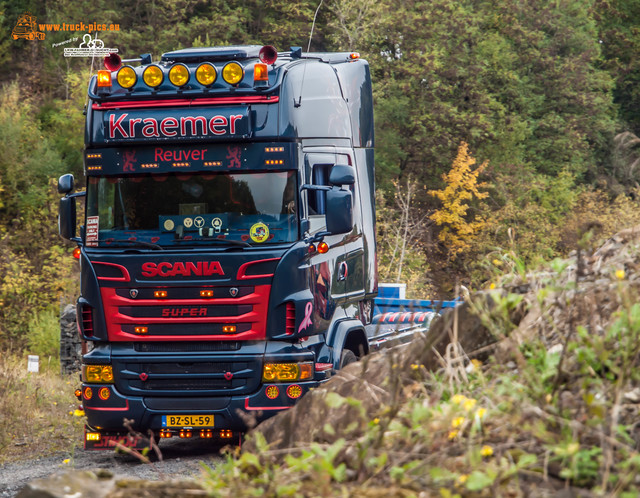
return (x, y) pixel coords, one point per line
(36, 410)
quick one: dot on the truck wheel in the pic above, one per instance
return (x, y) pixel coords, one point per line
(70, 344)
(347, 357)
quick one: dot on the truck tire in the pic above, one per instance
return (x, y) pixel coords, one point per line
(70, 344)
(347, 357)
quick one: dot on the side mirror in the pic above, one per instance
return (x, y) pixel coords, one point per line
(67, 217)
(65, 184)
(342, 174)
(339, 211)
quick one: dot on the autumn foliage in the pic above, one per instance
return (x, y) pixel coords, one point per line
(459, 226)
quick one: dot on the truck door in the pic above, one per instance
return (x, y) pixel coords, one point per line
(327, 285)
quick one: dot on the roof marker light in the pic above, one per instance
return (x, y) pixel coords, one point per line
(268, 54)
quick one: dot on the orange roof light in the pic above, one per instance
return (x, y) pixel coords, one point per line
(104, 78)
(260, 72)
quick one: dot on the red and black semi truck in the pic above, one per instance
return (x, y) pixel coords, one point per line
(227, 254)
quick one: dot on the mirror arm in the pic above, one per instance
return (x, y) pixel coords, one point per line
(315, 187)
(316, 238)
(77, 194)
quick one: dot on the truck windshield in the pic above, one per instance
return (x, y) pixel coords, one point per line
(192, 209)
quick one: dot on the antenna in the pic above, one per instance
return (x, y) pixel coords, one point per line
(313, 24)
(298, 103)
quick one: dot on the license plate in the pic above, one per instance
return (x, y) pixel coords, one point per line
(187, 421)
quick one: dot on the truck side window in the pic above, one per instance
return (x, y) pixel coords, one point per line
(317, 199)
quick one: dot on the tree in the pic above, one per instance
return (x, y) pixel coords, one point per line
(462, 186)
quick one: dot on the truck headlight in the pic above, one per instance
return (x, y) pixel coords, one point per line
(287, 372)
(97, 374)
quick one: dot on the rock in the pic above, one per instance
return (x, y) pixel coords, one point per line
(70, 344)
(632, 396)
(103, 484)
(74, 484)
(375, 383)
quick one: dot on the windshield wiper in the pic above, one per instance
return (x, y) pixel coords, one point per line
(139, 243)
(215, 239)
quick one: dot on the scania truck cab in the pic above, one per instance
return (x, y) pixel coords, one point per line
(227, 254)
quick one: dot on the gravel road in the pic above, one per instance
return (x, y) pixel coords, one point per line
(181, 460)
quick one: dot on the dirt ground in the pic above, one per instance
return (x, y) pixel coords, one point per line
(180, 458)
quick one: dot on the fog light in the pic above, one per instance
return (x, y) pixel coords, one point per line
(104, 393)
(272, 392)
(206, 74)
(179, 75)
(294, 391)
(88, 393)
(153, 76)
(232, 73)
(229, 329)
(92, 436)
(126, 77)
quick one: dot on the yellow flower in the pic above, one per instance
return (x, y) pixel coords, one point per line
(486, 451)
(458, 399)
(453, 434)
(497, 262)
(66, 461)
(469, 404)
(492, 286)
(480, 413)
(620, 274)
(457, 422)
(376, 421)
(414, 366)
(78, 413)
(463, 478)
(476, 363)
